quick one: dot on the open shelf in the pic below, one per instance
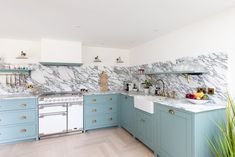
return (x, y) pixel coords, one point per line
(178, 72)
(15, 71)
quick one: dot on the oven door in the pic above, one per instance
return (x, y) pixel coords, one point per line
(75, 116)
(52, 123)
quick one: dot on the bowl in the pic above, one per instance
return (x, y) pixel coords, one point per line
(199, 102)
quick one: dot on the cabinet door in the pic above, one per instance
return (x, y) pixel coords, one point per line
(145, 128)
(127, 113)
(174, 132)
(149, 131)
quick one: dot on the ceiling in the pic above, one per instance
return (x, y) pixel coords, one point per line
(107, 23)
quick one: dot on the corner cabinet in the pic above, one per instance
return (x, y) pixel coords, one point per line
(184, 134)
(101, 111)
(18, 120)
(127, 113)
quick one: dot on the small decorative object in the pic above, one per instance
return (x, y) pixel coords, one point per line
(22, 55)
(141, 71)
(146, 84)
(97, 59)
(104, 82)
(119, 60)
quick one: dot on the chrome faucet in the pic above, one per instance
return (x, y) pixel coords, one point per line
(163, 86)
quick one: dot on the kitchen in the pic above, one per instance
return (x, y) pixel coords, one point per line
(85, 87)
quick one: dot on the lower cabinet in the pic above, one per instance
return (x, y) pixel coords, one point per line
(144, 128)
(101, 111)
(173, 132)
(18, 120)
(127, 113)
(184, 134)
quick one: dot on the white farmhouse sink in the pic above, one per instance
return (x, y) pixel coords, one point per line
(144, 103)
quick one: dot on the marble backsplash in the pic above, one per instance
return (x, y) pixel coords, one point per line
(61, 78)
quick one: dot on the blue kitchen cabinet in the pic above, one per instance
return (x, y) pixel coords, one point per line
(144, 128)
(127, 113)
(18, 120)
(101, 111)
(179, 133)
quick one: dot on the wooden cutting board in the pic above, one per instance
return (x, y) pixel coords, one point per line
(104, 82)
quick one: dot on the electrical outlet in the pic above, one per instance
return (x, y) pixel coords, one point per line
(211, 91)
(201, 90)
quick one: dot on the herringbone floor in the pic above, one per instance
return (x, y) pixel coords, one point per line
(113, 142)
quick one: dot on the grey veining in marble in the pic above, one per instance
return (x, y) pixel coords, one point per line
(71, 78)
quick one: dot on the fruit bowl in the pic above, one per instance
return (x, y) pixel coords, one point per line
(199, 102)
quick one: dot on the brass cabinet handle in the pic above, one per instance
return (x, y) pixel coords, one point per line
(93, 100)
(171, 111)
(110, 119)
(23, 117)
(93, 110)
(23, 130)
(23, 105)
(94, 121)
(110, 99)
(110, 108)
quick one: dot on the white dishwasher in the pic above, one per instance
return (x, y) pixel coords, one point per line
(60, 113)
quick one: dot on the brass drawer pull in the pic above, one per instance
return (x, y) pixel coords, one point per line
(94, 121)
(110, 108)
(93, 110)
(110, 99)
(23, 105)
(23, 117)
(23, 130)
(93, 100)
(171, 111)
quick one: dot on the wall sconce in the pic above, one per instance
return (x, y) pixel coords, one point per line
(97, 59)
(119, 60)
(22, 55)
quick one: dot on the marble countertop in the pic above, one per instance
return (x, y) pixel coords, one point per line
(175, 103)
(17, 96)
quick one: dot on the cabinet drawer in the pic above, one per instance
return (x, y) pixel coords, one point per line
(17, 104)
(98, 109)
(17, 132)
(17, 117)
(97, 99)
(101, 121)
(100, 99)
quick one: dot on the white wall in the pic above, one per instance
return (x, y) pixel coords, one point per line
(107, 55)
(214, 34)
(10, 49)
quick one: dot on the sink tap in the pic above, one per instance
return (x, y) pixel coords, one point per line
(163, 85)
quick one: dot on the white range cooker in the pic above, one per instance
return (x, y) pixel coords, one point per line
(60, 113)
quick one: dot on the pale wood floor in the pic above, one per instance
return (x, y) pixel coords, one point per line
(113, 142)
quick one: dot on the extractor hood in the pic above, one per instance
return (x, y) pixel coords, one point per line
(61, 53)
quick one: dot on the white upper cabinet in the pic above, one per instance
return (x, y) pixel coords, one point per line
(60, 52)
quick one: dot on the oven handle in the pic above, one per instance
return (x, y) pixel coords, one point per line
(80, 103)
(42, 106)
(52, 114)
